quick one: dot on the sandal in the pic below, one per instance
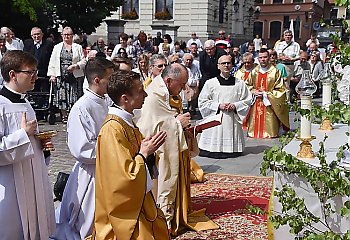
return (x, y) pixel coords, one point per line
(64, 120)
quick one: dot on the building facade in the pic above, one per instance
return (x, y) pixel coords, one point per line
(179, 18)
(275, 16)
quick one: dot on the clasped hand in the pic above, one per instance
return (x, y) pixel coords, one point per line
(257, 93)
(229, 107)
(184, 119)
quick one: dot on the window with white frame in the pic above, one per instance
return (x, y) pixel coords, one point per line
(130, 7)
(165, 6)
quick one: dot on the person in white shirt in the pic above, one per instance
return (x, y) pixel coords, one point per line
(11, 44)
(230, 97)
(194, 74)
(194, 39)
(123, 43)
(75, 216)
(257, 43)
(26, 204)
(312, 39)
(288, 52)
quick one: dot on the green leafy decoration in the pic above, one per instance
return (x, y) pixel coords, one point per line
(328, 181)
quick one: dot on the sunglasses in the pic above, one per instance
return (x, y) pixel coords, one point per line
(225, 63)
(160, 65)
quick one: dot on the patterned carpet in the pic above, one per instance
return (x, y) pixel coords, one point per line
(225, 198)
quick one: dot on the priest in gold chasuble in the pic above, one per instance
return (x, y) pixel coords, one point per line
(269, 110)
(162, 111)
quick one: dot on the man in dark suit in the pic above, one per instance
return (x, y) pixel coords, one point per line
(208, 61)
(41, 49)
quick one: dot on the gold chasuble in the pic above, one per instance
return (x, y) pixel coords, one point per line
(124, 210)
(265, 121)
(174, 161)
(242, 74)
(147, 82)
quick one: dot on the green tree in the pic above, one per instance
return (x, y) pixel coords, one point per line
(83, 16)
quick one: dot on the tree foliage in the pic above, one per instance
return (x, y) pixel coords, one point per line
(83, 16)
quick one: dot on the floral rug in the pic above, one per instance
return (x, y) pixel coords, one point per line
(225, 197)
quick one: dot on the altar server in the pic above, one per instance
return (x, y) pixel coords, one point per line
(76, 215)
(125, 206)
(230, 96)
(26, 204)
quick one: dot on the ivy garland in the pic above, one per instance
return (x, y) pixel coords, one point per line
(328, 181)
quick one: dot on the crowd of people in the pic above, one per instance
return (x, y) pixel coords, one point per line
(128, 110)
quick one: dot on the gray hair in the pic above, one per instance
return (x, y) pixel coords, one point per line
(156, 57)
(287, 31)
(36, 28)
(173, 70)
(68, 29)
(248, 55)
(209, 43)
(187, 55)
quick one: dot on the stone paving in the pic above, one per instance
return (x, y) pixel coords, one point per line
(61, 159)
(247, 164)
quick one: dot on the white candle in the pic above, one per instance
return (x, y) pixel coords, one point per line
(326, 95)
(305, 123)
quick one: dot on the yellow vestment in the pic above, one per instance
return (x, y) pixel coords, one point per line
(123, 208)
(158, 113)
(147, 82)
(242, 73)
(265, 121)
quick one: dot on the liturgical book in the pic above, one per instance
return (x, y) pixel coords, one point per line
(206, 123)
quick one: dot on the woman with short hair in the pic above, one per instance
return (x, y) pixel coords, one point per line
(65, 66)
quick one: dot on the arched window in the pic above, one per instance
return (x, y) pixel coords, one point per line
(275, 30)
(296, 27)
(258, 29)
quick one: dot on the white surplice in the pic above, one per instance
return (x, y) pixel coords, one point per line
(26, 204)
(227, 137)
(76, 214)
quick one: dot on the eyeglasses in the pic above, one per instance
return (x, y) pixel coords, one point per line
(31, 73)
(225, 63)
(67, 34)
(221, 33)
(176, 61)
(160, 65)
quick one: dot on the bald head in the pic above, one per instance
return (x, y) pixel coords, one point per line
(175, 77)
